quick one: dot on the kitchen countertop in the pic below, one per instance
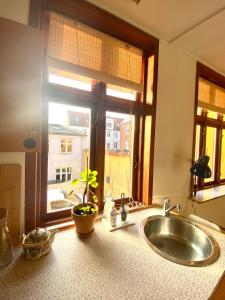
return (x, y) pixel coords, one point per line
(108, 265)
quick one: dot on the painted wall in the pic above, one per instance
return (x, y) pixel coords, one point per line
(174, 122)
(16, 10)
(174, 126)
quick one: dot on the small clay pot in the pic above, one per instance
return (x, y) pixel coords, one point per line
(84, 224)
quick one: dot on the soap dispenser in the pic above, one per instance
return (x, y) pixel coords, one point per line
(123, 209)
(113, 215)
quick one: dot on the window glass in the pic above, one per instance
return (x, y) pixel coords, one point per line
(119, 156)
(197, 140)
(211, 114)
(149, 97)
(120, 92)
(66, 145)
(146, 167)
(69, 131)
(199, 111)
(210, 150)
(69, 79)
(222, 170)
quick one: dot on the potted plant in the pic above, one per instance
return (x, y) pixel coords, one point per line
(85, 213)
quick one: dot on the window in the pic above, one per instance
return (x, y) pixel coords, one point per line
(123, 93)
(63, 174)
(115, 145)
(119, 163)
(108, 133)
(109, 123)
(116, 135)
(69, 79)
(109, 74)
(210, 124)
(66, 145)
(66, 164)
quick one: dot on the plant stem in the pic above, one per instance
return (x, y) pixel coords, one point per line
(86, 190)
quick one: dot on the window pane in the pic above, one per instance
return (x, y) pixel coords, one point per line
(119, 156)
(69, 147)
(146, 167)
(69, 79)
(150, 79)
(199, 111)
(120, 92)
(63, 146)
(197, 140)
(68, 128)
(210, 150)
(211, 114)
(222, 170)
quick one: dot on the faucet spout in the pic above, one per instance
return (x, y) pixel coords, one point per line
(167, 208)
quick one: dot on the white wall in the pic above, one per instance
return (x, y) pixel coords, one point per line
(174, 135)
(174, 122)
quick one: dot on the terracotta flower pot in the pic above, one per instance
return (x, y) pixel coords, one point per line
(84, 224)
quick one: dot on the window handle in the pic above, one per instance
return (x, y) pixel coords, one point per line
(136, 163)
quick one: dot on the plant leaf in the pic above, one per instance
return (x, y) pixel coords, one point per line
(95, 199)
(75, 181)
(94, 185)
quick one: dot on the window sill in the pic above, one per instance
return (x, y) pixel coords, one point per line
(69, 224)
(209, 194)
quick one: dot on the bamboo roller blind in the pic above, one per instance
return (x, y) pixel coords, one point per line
(91, 53)
(211, 96)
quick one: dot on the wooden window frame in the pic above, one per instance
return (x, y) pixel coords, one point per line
(97, 99)
(203, 121)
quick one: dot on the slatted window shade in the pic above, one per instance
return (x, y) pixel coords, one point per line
(211, 96)
(77, 48)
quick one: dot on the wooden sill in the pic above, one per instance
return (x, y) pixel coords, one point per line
(209, 194)
(219, 291)
(70, 224)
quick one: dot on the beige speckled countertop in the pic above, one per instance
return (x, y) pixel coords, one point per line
(108, 265)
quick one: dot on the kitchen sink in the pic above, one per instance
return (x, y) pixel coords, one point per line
(179, 240)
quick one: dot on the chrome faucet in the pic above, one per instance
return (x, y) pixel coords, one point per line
(167, 208)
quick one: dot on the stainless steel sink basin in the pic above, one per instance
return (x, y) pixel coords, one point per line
(179, 240)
